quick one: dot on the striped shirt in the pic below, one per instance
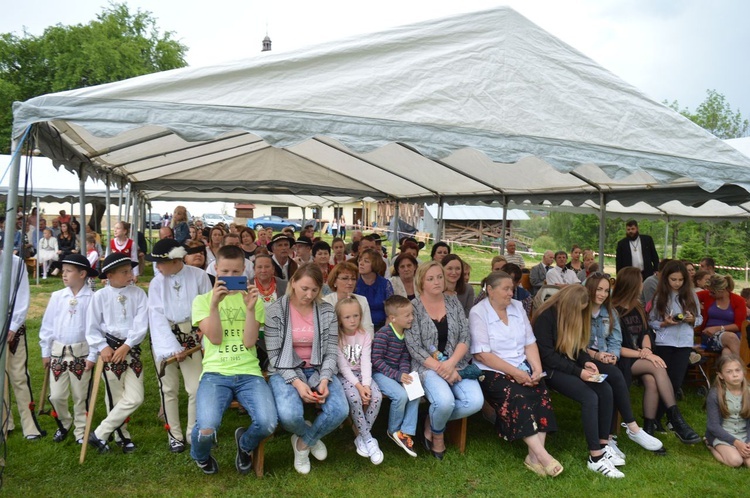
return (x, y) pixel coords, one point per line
(389, 354)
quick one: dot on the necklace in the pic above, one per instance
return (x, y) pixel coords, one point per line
(634, 245)
(266, 293)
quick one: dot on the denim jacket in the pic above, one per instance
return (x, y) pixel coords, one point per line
(601, 339)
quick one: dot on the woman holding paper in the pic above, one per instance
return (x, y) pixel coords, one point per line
(504, 347)
(438, 342)
(562, 326)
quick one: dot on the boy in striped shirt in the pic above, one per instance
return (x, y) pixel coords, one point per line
(390, 370)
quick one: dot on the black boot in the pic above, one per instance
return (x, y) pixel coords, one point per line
(682, 430)
(649, 425)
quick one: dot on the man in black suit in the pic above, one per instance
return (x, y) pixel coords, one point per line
(637, 250)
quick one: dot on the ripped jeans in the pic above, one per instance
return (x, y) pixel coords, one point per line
(215, 394)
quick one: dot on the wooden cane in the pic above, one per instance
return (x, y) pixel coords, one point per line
(45, 388)
(172, 359)
(92, 404)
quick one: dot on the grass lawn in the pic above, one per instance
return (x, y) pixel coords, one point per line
(490, 467)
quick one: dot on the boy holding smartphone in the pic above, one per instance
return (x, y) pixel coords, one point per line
(229, 321)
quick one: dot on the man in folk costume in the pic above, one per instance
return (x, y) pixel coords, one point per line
(117, 324)
(170, 299)
(62, 338)
(16, 367)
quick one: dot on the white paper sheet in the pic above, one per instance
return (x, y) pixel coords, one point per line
(414, 390)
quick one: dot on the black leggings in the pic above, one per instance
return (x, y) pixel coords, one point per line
(596, 404)
(677, 360)
(620, 391)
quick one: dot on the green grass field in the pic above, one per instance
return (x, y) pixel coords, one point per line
(490, 467)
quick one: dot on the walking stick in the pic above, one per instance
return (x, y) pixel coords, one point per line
(92, 404)
(43, 396)
(169, 361)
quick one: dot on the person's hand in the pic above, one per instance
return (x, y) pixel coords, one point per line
(536, 376)
(220, 292)
(11, 335)
(364, 394)
(323, 392)
(589, 372)
(521, 377)
(608, 358)
(406, 379)
(46, 362)
(668, 321)
(743, 448)
(454, 377)
(251, 297)
(656, 360)
(688, 317)
(120, 354)
(444, 369)
(180, 357)
(89, 365)
(107, 354)
(304, 391)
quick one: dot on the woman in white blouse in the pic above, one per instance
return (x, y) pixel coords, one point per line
(504, 347)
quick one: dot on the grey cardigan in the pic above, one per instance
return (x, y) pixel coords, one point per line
(714, 430)
(281, 356)
(423, 334)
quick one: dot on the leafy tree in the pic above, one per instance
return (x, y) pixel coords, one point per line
(716, 116)
(119, 44)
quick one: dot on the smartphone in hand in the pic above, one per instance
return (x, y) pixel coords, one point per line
(235, 283)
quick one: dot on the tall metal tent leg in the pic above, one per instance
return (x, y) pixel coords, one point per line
(505, 221)
(602, 228)
(396, 216)
(82, 200)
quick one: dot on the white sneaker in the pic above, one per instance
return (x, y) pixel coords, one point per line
(373, 450)
(361, 448)
(645, 440)
(301, 458)
(605, 468)
(615, 449)
(319, 451)
(611, 453)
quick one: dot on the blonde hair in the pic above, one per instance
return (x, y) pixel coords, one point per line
(497, 259)
(307, 270)
(721, 387)
(573, 309)
(175, 221)
(341, 303)
(422, 271)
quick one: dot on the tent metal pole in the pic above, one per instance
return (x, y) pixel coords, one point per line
(7, 257)
(505, 221)
(440, 235)
(602, 228)
(36, 244)
(127, 205)
(666, 237)
(108, 209)
(119, 205)
(82, 197)
(150, 227)
(396, 216)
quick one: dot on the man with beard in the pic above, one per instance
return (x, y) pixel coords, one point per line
(637, 250)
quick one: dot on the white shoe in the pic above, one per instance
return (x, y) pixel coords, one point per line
(361, 448)
(301, 458)
(373, 450)
(319, 451)
(612, 453)
(605, 468)
(615, 449)
(645, 440)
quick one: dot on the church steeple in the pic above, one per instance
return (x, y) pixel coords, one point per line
(266, 44)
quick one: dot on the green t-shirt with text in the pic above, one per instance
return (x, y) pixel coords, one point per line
(231, 357)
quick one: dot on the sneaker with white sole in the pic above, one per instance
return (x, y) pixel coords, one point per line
(318, 450)
(404, 441)
(611, 453)
(243, 460)
(374, 452)
(615, 448)
(301, 457)
(361, 448)
(644, 439)
(209, 466)
(605, 467)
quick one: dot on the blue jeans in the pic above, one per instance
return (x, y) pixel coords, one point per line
(291, 409)
(448, 402)
(403, 414)
(215, 394)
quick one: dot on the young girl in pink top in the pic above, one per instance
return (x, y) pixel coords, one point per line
(355, 373)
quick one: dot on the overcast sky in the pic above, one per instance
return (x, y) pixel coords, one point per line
(670, 49)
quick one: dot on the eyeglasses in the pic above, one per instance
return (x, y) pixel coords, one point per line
(346, 278)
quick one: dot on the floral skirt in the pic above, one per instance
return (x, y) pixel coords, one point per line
(521, 411)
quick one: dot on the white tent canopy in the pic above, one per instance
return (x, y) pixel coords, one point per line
(481, 106)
